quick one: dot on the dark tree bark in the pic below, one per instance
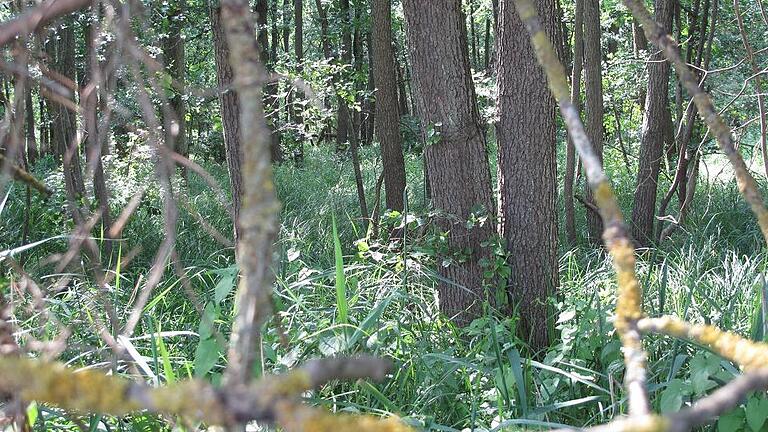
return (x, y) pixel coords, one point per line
(653, 137)
(298, 48)
(473, 33)
(29, 110)
(527, 170)
(344, 127)
(270, 90)
(387, 115)
(324, 41)
(593, 89)
(456, 160)
(94, 136)
(230, 113)
(570, 152)
(64, 122)
(175, 62)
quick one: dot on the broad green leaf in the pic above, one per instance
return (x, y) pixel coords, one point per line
(672, 397)
(206, 356)
(731, 422)
(757, 413)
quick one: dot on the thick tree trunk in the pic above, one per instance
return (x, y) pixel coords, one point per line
(387, 115)
(570, 152)
(456, 158)
(654, 132)
(527, 170)
(230, 113)
(593, 86)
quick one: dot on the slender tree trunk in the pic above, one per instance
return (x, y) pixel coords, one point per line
(64, 122)
(369, 107)
(527, 170)
(94, 146)
(473, 33)
(570, 153)
(344, 127)
(593, 83)
(456, 161)
(230, 113)
(270, 90)
(298, 48)
(487, 45)
(29, 110)
(175, 62)
(758, 83)
(387, 116)
(654, 131)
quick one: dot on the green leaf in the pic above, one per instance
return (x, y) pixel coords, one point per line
(225, 286)
(672, 397)
(757, 413)
(206, 356)
(731, 422)
(341, 281)
(205, 330)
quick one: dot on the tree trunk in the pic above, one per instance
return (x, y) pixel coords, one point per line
(570, 156)
(298, 49)
(473, 33)
(456, 158)
(174, 56)
(344, 118)
(654, 131)
(230, 113)
(387, 115)
(270, 90)
(64, 122)
(29, 109)
(593, 85)
(527, 170)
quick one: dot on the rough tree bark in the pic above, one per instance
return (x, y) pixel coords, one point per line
(456, 161)
(387, 115)
(230, 113)
(653, 137)
(570, 152)
(527, 170)
(174, 56)
(271, 104)
(593, 89)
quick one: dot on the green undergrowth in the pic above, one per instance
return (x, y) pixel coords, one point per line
(339, 292)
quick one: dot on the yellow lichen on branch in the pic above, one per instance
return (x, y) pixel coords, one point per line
(748, 354)
(275, 399)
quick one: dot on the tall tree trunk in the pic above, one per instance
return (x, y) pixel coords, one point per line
(270, 90)
(593, 86)
(64, 122)
(387, 115)
(369, 106)
(344, 127)
(487, 44)
(570, 152)
(456, 158)
(654, 132)
(175, 62)
(94, 141)
(473, 33)
(230, 113)
(29, 109)
(298, 48)
(527, 170)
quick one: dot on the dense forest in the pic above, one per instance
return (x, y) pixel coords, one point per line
(384, 215)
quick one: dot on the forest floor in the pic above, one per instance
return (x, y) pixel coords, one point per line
(378, 299)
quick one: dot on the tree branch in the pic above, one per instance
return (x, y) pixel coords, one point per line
(38, 16)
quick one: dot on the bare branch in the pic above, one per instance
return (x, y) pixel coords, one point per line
(38, 16)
